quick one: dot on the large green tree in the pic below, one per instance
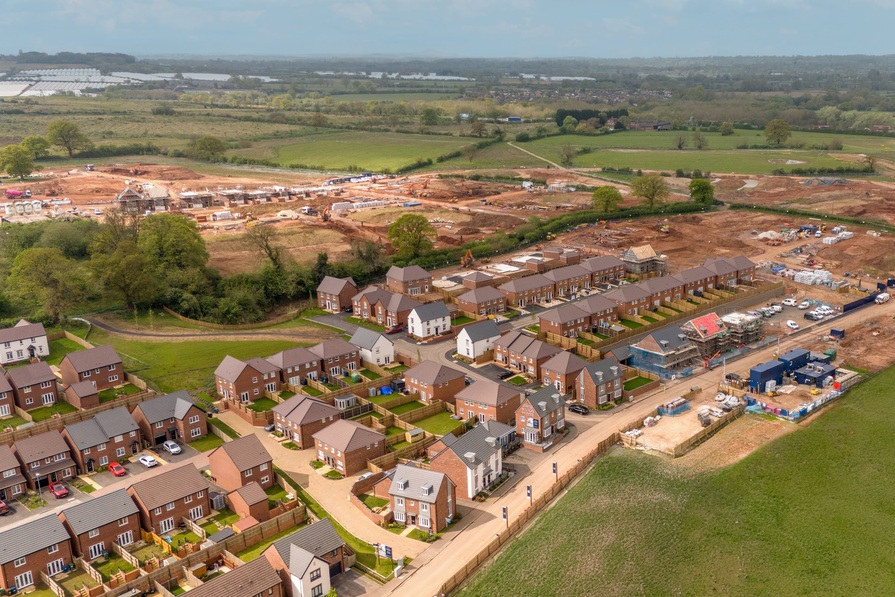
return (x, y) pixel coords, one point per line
(606, 199)
(702, 191)
(68, 135)
(125, 274)
(171, 241)
(120, 225)
(411, 235)
(17, 161)
(651, 188)
(37, 146)
(207, 148)
(777, 131)
(49, 278)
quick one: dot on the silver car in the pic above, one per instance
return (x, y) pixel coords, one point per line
(171, 447)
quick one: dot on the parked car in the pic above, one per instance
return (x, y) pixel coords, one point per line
(4, 508)
(790, 303)
(792, 324)
(394, 329)
(733, 377)
(270, 427)
(148, 461)
(171, 447)
(58, 489)
(804, 305)
(776, 308)
(366, 475)
(579, 409)
(467, 380)
(506, 374)
(117, 470)
(813, 316)
(824, 310)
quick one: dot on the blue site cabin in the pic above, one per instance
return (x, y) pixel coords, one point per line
(795, 359)
(814, 374)
(760, 375)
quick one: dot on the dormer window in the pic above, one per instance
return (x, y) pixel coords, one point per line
(403, 484)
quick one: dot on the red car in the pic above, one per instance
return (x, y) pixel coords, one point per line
(58, 489)
(117, 469)
(395, 329)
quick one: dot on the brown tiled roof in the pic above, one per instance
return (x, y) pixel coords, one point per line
(254, 578)
(566, 273)
(602, 263)
(490, 393)
(38, 447)
(374, 294)
(251, 493)
(245, 453)
(331, 285)
(627, 293)
(7, 458)
(432, 373)
(526, 283)
(565, 362)
(21, 331)
(83, 388)
(93, 358)
(169, 486)
(400, 302)
(30, 375)
(565, 313)
(695, 274)
(347, 436)
(660, 284)
(407, 274)
(230, 368)
(333, 348)
(480, 295)
(302, 409)
(292, 357)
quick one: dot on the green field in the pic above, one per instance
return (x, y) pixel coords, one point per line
(184, 365)
(809, 514)
(368, 151)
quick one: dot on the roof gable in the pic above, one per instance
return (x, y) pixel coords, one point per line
(22, 331)
(245, 453)
(93, 358)
(319, 538)
(331, 285)
(410, 273)
(544, 401)
(175, 405)
(100, 511)
(169, 486)
(489, 392)
(348, 436)
(431, 311)
(32, 536)
(564, 362)
(480, 295)
(303, 409)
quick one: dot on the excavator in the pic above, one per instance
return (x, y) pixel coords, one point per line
(467, 259)
(324, 215)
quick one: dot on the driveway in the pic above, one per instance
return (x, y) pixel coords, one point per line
(20, 514)
(335, 321)
(353, 584)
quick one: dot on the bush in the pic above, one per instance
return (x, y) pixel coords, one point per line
(523, 137)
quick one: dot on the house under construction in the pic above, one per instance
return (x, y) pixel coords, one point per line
(743, 329)
(709, 333)
(666, 352)
(644, 261)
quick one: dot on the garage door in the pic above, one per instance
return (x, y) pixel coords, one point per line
(335, 569)
(158, 439)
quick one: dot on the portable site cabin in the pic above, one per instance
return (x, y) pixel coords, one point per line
(760, 375)
(795, 359)
(815, 374)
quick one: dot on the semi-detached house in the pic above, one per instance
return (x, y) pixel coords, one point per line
(337, 357)
(561, 371)
(33, 386)
(245, 381)
(22, 342)
(485, 300)
(434, 381)
(44, 458)
(96, 524)
(604, 269)
(296, 365)
(12, 481)
(603, 311)
(630, 299)
(347, 445)
(487, 400)
(106, 437)
(568, 320)
(172, 416)
(169, 496)
(300, 417)
(39, 546)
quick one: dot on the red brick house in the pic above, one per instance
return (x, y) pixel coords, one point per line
(83, 395)
(528, 290)
(412, 280)
(568, 280)
(599, 383)
(300, 417)
(240, 462)
(568, 320)
(12, 481)
(433, 381)
(696, 280)
(109, 436)
(39, 546)
(363, 303)
(44, 458)
(725, 272)
(34, 385)
(396, 309)
(561, 371)
(172, 416)
(320, 539)
(473, 462)
(346, 446)
(337, 357)
(744, 268)
(245, 381)
(603, 311)
(488, 401)
(296, 365)
(604, 269)
(630, 299)
(422, 498)
(486, 300)
(169, 496)
(663, 290)
(523, 353)
(249, 501)
(477, 279)
(334, 294)
(540, 419)
(7, 397)
(504, 344)
(101, 365)
(96, 524)
(253, 579)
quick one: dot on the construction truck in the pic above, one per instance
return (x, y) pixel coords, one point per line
(467, 259)
(551, 236)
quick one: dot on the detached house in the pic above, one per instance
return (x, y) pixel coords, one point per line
(485, 300)
(246, 380)
(300, 417)
(44, 458)
(169, 496)
(101, 365)
(305, 576)
(7, 396)
(347, 445)
(599, 383)
(12, 482)
(334, 294)
(666, 352)
(422, 498)
(434, 381)
(96, 524)
(107, 437)
(296, 365)
(473, 462)
(240, 462)
(363, 303)
(396, 310)
(337, 357)
(527, 290)
(22, 342)
(172, 416)
(374, 347)
(33, 385)
(254, 579)
(488, 400)
(561, 371)
(39, 546)
(474, 340)
(540, 419)
(412, 280)
(429, 321)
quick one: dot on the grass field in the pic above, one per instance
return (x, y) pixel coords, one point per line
(185, 365)
(786, 520)
(369, 151)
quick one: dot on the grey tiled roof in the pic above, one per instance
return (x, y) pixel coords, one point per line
(30, 375)
(490, 393)
(31, 537)
(245, 453)
(695, 274)
(481, 295)
(100, 511)
(660, 284)
(174, 405)
(302, 409)
(93, 358)
(596, 303)
(538, 349)
(672, 334)
(331, 285)
(431, 311)
(719, 266)
(292, 357)
(169, 486)
(366, 338)
(414, 482)
(545, 401)
(604, 368)
(472, 447)
(22, 331)
(251, 493)
(565, 362)
(627, 293)
(481, 330)
(400, 302)
(299, 561)
(407, 274)
(38, 447)
(601, 263)
(319, 538)
(432, 373)
(230, 368)
(565, 313)
(347, 436)
(248, 580)
(566, 273)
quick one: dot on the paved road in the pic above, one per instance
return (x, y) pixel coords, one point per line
(452, 554)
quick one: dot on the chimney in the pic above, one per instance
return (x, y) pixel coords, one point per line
(491, 442)
(614, 370)
(543, 405)
(470, 456)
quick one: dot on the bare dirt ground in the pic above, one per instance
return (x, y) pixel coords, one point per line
(870, 346)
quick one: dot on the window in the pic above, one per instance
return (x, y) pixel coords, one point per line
(188, 499)
(20, 562)
(93, 533)
(133, 434)
(194, 419)
(247, 473)
(399, 501)
(263, 467)
(424, 522)
(53, 548)
(200, 494)
(119, 452)
(46, 384)
(113, 378)
(159, 424)
(10, 473)
(170, 506)
(157, 511)
(317, 591)
(424, 507)
(196, 513)
(111, 367)
(86, 374)
(195, 432)
(122, 522)
(315, 574)
(86, 451)
(103, 460)
(264, 480)
(399, 517)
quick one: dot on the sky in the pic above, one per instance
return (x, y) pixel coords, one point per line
(450, 28)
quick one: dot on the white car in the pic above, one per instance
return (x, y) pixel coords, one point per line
(824, 310)
(776, 308)
(792, 324)
(171, 447)
(804, 305)
(148, 461)
(790, 303)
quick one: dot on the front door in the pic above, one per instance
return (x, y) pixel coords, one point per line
(55, 567)
(3, 495)
(89, 464)
(97, 550)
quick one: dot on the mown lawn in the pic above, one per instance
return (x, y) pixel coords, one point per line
(439, 424)
(61, 347)
(636, 382)
(207, 443)
(406, 408)
(45, 412)
(261, 405)
(786, 520)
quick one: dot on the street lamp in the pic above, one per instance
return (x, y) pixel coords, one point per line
(555, 473)
(39, 494)
(528, 492)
